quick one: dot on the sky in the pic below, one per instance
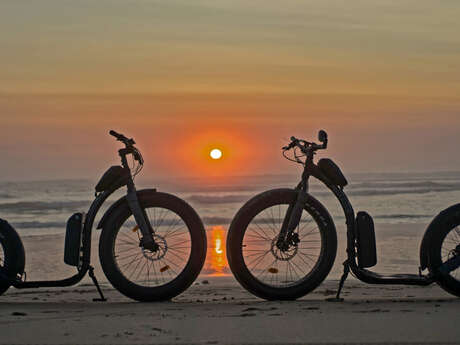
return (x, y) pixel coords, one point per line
(181, 77)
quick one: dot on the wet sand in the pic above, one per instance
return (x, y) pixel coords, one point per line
(216, 310)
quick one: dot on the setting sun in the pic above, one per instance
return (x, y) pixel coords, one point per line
(215, 154)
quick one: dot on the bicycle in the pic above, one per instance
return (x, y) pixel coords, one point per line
(282, 243)
(152, 245)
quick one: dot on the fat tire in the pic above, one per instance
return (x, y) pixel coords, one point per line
(446, 221)
(14, 254)
(236, 233)
(180, 283)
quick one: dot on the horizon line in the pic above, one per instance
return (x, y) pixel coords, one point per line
(197, 177)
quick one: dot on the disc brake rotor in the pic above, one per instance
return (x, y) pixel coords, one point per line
(283, 255)
(160, 252)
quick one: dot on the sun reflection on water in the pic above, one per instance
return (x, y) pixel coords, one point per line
(217, 260)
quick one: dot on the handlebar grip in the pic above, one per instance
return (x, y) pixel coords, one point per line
(115, 134)
(122, 138)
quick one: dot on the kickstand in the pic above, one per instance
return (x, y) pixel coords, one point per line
(93, 277)
(346, 270)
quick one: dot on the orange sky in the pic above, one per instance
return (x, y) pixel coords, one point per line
(381, 77)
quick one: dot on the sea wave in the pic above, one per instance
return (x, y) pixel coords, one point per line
(377, 192)
(210, 220)
(403, 216)
(37, 225)
(214, 220)
(353, 190)
(218, 199)
(41, 206)
(418, 184)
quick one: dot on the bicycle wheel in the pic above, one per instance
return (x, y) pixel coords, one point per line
(445, 245)
(158, 275)
(3, 285)
(12, 257)
(264, 269)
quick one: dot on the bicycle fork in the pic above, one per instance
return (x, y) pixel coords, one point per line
(142, 220)
(291, 221)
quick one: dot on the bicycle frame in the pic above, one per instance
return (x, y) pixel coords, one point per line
(138, 213)
(86, 246)
(311, 169)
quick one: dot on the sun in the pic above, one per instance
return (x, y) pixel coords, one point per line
(215, 154)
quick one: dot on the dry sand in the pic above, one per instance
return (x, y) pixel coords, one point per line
(216, 310)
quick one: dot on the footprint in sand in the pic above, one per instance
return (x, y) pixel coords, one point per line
(18, 313)
(251, 309)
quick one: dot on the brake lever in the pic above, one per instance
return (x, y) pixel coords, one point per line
(137, 156)
(290, 146)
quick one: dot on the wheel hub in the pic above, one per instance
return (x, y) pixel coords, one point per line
(285, 244)
(284, 250)
(159, 251)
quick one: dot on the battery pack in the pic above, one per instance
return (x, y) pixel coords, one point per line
(72, 246)
(367, 250)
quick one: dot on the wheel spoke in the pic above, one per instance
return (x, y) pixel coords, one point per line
(264, 236)
(449, 248)
(160, 266)
(291, 262)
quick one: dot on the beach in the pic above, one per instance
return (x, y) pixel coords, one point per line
(146, 145)
(217, 310)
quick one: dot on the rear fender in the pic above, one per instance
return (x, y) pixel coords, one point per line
(120, 202)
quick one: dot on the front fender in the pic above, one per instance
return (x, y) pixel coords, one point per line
(117, 204)
(432, 228)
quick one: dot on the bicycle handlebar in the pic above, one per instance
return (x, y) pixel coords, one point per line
(116, 135)
(304, 145)
(122, 138)
(129, 143)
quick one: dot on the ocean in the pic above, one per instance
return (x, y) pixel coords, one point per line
(402, 205)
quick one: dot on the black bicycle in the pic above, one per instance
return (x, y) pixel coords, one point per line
(282, 243)
(152, 246)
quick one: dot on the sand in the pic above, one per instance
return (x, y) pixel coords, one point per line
(216, 310)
